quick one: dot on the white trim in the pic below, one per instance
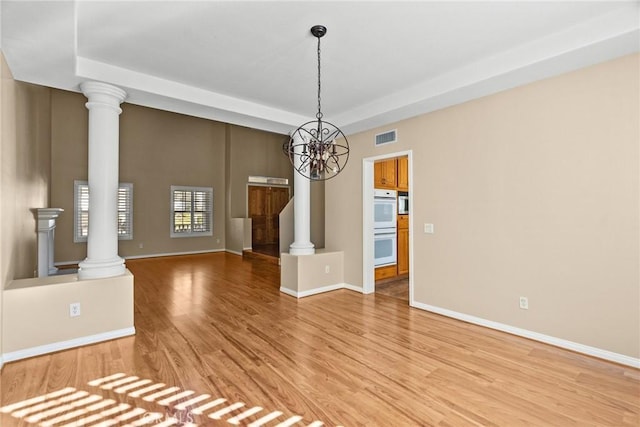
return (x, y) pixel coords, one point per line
(233, 252)
(547, 339)
(289, 292)
(191, 189)
(353, 288)
(174, 254)
(368, 272)
(312, 291)
(152, 255)
(64, 345)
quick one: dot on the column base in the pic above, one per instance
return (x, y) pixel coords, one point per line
(302, 248)
(99, 269)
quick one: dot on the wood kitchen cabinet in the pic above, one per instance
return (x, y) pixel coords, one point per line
(386, 272)
(403, 173)
(392, 174)
(384, 172)
(403, 244)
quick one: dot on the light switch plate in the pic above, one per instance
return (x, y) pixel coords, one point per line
(428, 228)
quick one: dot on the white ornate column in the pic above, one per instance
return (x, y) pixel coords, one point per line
(102, 242)
(46, 236)
(301, 209)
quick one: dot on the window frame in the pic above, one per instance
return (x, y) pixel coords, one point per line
(209, 212)
(77, 185)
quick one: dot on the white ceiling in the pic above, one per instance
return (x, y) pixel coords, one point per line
(254, 63)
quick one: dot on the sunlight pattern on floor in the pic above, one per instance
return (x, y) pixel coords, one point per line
(70, 407)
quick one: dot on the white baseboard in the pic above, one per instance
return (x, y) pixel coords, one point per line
(353, 288)
(289, 292)
(233, 252)
(558, 342)
(149, 256)
(311, 291)
(174, 254)
(64, 345)
(320, 290)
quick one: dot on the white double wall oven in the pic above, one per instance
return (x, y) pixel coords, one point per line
(385, 232)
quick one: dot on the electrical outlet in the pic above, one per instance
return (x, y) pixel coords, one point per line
(140, 245)
(428, 228)
(327, 269)
(524, 303)
(74, 309)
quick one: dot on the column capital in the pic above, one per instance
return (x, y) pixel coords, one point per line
(103, 94)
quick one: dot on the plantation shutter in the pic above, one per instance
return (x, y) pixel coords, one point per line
(191, 211)
(81, 211)
(81, 217)
(125, 211)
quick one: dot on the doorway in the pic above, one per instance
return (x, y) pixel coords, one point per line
(264, 205)
(368, 256)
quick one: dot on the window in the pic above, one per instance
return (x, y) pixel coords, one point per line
(81, 211)
(191, 211)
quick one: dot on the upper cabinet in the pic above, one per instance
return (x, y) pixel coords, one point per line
(392, 174)
(384, 172)
(403, 173)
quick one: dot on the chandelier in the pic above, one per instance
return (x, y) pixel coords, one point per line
(318, 150)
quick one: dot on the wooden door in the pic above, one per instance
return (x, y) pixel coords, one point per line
(265, 204)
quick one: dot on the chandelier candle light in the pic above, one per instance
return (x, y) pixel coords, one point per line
(318, 150)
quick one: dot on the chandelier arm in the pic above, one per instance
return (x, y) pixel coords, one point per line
(330, 136)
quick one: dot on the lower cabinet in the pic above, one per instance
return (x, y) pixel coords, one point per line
(403, 251)
(403, 244)
(386, 272)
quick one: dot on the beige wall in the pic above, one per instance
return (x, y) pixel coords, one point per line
(533, 192)
(252, 152)
(3, 70)
(24, 176)
(26, 124)
(159, 149)
(41, 308)
(311, 274)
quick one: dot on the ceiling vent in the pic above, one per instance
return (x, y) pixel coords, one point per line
(386, 137)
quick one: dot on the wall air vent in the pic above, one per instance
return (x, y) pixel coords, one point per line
(386, 137)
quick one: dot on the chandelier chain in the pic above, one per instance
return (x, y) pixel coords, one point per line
(319, 114)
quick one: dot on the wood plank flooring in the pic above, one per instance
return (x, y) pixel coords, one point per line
(395, 288)
(215, 327)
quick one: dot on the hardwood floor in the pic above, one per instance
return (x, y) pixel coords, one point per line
(215, 326)
(395, 289)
